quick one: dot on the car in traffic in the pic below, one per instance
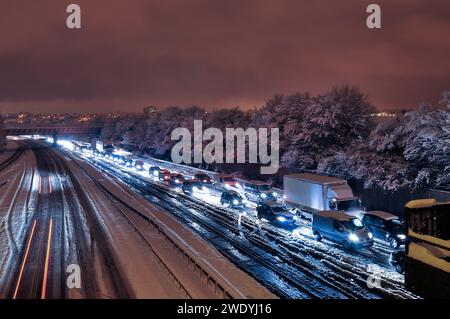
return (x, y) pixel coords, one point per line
(192, 186)
(227, 182)
(258, 191)
(232, 199)
(116, 158)
(203, 178)
(176, 180)
(153, 171)
(127, 162)
(109, 155)
(164, 175)
(139, 165)
(99, 154)
(397, 259)
(275, 213)
(387, 227)
(341, 228)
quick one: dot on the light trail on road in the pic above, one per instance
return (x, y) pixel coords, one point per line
(47, 260)
(24, 260)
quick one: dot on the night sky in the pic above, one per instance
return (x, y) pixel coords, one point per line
(215, 53)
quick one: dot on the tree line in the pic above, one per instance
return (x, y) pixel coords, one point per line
(331, 133)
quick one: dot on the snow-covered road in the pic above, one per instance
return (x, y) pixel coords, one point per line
(290, 263)
(59, 212)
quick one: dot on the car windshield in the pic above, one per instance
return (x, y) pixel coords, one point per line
(396, 223)
(354, 224)
(264, 188)
(349, 204)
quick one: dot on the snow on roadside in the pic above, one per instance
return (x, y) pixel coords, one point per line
(16, 205)
(203, 252)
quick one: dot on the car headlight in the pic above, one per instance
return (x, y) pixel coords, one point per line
(401, 236)
(353, 238)
(227, 186)
(238, 185)
(370, 235)
(295, 218)
(281, 219)
(263, 195)
(235, 202)
(274, 194)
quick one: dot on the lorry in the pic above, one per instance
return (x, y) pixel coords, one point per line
(101, 145)
(312, 193)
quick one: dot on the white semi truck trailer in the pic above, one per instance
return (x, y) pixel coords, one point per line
(311, 193)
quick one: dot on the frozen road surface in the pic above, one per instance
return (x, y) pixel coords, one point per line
(68, 230)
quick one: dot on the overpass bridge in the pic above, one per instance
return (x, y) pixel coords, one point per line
(50, 129)
(53, 130)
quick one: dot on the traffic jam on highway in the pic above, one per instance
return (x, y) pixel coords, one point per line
(322, 207)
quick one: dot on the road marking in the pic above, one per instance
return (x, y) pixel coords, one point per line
(40, 184)
(47, 260)
(24, 260)
(50, 184)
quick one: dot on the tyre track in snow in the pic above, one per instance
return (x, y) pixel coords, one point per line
(339, 277)
(283, 267)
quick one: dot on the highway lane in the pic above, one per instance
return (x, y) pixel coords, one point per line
(343, 274)
(60, 234)
(41, 272)
(64, 229)
(43, 260)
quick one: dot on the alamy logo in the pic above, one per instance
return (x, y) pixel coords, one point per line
(73, 21)
(237, 141)
(74, 278)
(374, 279)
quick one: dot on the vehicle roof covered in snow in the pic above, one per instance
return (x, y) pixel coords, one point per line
(315, 178)
(382, 214)
(335, 215)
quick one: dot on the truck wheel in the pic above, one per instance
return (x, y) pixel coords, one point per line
(317, 236)
(393, 243)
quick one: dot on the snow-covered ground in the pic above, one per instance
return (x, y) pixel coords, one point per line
(136, 242)
(125, 246)
(328, 262)
(17, 200)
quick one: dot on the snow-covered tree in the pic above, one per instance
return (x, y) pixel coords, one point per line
(329, 123)
(411, 151)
